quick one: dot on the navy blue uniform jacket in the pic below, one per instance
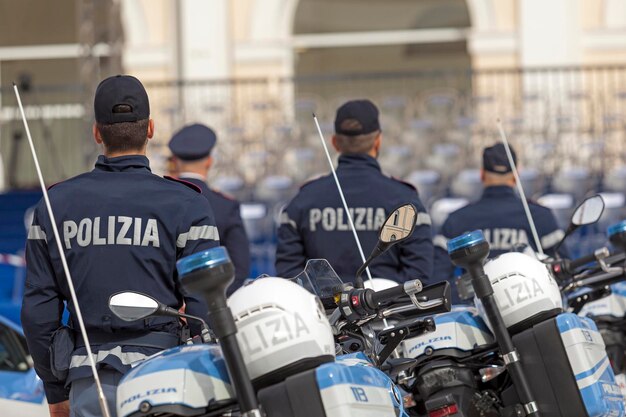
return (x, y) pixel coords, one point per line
(314, 224)
(122, 229)
(500, 215)
(232, 233)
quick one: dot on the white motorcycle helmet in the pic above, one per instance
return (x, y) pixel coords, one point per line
(282, 329)
(523, 288)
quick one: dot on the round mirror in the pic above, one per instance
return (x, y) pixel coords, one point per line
(131, 306)
(589, 211)
(399, 225)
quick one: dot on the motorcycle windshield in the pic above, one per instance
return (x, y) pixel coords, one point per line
(319, 278)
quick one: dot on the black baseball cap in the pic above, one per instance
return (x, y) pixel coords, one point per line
(495, 159)
(193, 142)
(357, 117)
(120, 89)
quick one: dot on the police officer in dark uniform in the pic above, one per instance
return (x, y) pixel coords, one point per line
(191, 147)
(499, 214)
(122, 228)
(314, 224)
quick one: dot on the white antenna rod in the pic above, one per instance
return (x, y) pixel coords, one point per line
(343, 199)
(520, 188)
(103, 403)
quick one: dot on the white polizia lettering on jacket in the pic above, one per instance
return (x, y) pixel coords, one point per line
(364, 218)
(505, 238)
(111, 230)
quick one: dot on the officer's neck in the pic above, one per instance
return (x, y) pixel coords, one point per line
(497, 180)
(373, 153)
(192, 174)
(134, 152)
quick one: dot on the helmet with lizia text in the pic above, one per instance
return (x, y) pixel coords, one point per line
(282, 329)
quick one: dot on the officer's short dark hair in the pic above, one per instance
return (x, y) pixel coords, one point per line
(355, 144)
(125, 136)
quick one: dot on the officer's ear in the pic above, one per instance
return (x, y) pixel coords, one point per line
(378, 141)
(208, 162)
(482, 175)
(96, 134)
(150, 128)
(334, 141)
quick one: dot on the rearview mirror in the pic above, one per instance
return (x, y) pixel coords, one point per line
(131, 306)
(399, 225)
(589, 211)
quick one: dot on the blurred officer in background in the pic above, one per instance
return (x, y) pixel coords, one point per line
(122, 228)
(191, 147)
(315, 225)
(499, 214)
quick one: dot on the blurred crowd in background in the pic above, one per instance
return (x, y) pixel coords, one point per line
(442, 73)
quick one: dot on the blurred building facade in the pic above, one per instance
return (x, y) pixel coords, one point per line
(441, 70)
(274, 38)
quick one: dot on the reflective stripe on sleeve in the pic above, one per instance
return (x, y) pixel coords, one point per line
(36, 233)
(441, 242)
(422, 218)
(552, 239)
(284, 219)
(197, 233)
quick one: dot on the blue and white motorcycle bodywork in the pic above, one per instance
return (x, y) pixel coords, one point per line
(609, 315)
(461, 336)
(461, 330)
(446, 375)
(192, 380)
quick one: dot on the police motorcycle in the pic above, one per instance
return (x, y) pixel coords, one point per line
(594, 287)
(276, 353)
(517, 352)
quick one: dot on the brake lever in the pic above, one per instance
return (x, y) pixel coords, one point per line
(590, 280)
(411, 288)
(418, 305)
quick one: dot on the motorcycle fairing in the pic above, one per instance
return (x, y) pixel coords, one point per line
(184, 378)
(460, 329)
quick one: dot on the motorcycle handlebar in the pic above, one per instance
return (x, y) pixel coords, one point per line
(576, 263)
(389, 294)
(564, 269)
(605, 278)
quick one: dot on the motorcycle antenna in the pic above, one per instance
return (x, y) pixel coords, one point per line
(529, 216)
(103, 403)
(343, 198)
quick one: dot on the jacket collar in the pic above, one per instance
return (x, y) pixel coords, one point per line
(499, 191)
(127, 163)
(357, 160)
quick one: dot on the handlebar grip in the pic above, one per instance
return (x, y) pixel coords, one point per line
(388, 294)
(576, 263)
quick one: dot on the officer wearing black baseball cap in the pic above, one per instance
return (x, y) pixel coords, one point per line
(314, 224)
(499, 214)
(191, 147)
(123, 228)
